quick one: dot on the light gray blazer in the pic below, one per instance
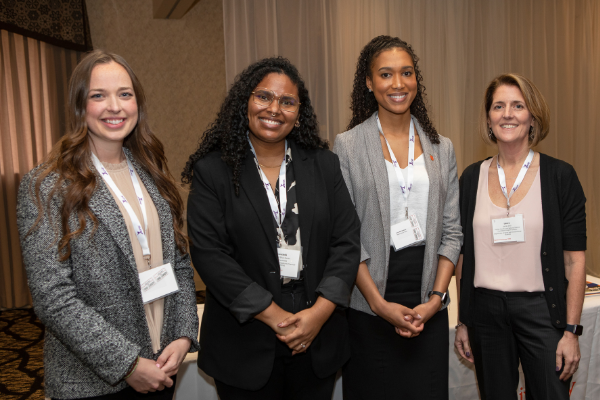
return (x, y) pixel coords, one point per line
(365, 173)
(91, 303)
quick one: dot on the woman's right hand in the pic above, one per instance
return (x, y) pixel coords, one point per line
(147, 377)
(399, 316)
(461, 342)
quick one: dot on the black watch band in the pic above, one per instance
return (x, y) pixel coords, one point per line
(574, 329)
(442, 295)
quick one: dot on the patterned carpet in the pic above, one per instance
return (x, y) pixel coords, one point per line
(21, 354)
(21, 364)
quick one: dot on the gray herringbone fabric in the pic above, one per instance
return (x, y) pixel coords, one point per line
(91, 303)
(363, 167)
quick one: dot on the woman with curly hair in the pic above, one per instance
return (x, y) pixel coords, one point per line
(275, 237)
(86, 251)
(402, 177)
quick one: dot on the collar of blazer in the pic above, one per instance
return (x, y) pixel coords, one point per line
(380, 176)
(252, 185)
(105, 208)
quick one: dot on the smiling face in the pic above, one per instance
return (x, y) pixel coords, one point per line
(393, 81)
(271, 124)
(111, 108)
(508, 116)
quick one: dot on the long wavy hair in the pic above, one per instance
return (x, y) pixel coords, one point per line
(70, 158)
(363, 103)
(227, 133)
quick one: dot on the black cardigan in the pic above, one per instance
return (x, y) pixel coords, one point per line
(563, 203)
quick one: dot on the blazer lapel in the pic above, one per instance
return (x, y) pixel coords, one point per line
(105, 208)
(305, 193)
(379, 171)
(434, 214)
(165, 217)
(252, 185)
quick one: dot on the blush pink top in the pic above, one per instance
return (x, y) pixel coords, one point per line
(508, 267)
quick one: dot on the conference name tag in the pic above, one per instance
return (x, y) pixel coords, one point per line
(508, 230)
(289, 262)
(157, 283)
(406, 233)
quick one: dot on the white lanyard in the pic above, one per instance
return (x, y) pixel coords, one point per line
(139, 232)
(519, 180)
(279, 215)
(405, 187)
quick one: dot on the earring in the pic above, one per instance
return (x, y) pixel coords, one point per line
(491, 134)
(297, 124)
(370, 90)
(531, 135)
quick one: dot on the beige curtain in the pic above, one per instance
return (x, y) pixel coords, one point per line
(33, 89)
(462, 45)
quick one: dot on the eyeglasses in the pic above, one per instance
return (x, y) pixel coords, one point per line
(264, 97)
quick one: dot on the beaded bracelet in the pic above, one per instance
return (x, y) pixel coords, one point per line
(459, 324)
(133, 367)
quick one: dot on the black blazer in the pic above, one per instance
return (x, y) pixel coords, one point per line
(233, 248)
(563, 210)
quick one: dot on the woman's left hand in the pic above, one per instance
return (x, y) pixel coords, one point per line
(173, 355)
(426, 311)
(308, 324)
(568, 349)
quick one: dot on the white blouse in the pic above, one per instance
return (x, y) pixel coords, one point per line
(418, 198)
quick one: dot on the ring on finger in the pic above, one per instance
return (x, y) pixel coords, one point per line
(303, 345)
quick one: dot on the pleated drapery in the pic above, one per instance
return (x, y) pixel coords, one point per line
(462, 46)
(33, 92)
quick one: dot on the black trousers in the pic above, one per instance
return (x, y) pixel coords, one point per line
(383, 364)
(292, 377)
(130, 394)
(508, 327)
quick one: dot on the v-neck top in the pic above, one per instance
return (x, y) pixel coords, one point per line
(508, 267)
(120, 175)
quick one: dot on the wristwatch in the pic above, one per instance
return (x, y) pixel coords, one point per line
(574, 329)
(442, 295)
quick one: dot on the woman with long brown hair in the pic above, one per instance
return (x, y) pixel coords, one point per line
(101, 231)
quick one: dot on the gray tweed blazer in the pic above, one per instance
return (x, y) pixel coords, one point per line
(91, 303)
(363, 167)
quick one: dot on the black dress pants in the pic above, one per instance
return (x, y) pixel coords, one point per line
(508, 327)
(292, 377)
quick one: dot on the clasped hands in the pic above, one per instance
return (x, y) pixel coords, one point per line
(150, 375)
(298, 330)
(408, 322)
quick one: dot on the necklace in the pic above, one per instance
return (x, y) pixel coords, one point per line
(265, 166)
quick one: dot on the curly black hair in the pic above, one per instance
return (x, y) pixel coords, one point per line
(228, 132)
(363, 103)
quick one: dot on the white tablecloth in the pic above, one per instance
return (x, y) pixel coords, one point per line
(193, 384)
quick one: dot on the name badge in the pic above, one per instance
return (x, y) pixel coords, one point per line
(508, 230)
(406, 233)
(157, 283)
(289, 262)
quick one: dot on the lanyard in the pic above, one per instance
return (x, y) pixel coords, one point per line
(519, 180)
(279, 215)
(139, 233)
(406, 187)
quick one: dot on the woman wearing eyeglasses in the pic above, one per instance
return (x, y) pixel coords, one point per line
(275, 237)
